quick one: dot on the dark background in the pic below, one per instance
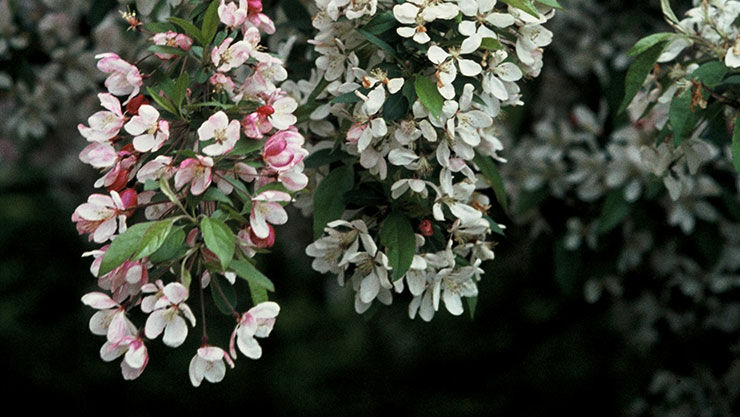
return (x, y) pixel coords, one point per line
(532, 349)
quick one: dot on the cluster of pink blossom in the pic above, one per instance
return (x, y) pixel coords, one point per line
(197, 163)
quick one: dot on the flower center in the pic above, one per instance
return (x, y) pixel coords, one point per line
(266, 110)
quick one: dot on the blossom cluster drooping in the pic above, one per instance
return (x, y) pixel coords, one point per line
(411, 92)
(198, 156)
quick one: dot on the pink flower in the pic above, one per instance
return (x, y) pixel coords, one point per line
(232, 15)
(258, 19)
(293, 179)
(256, 124)
(110, 320)
(222, 82)
(167, 316)
(257, 322)
(173, 39)
(99, 155)
(266, 208)
(241, 170)
(160, 167)
(104, 125)
(197, 172)
(227, 56)
(135, 356)
(266, 73)
(124, 281)
(208, 363)
(123, 79)
(283, 150)
(149, 132)
(101, 216)
(224, 133)
(248, 241)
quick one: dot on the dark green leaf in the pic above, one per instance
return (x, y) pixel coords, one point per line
(214, 194)
(526, 5)
(153, 238)
(188, 27)
(163, 102)
(349, 97)
(158, 27)
(710, 73)
(219, 239)
(324, 157)
(180, 89)
(397, 235)
(328, 199)
(171, 248)
(736, 145)
(472, 304)
(613, 212)
(210, 23)
(226, 291)
(649, 41)
(426, 90)
(681, 118)
(122, 247)
(378, 42)
(551, 3)
(638, 71)
(248, 272)
(395, 107)
(381, 23)
(490, 171)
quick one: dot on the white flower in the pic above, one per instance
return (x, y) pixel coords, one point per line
(208, 363)
(150, 132)
(224, 133)
(257, 322)
(732, 58)
(417, 13)
(167, 316)
(498, 74)
(446, 71)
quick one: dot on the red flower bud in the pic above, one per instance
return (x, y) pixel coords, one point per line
(120, 182)
(133, 106)
(425, 228)
(267, 242)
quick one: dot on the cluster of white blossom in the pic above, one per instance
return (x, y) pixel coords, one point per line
(412, 91)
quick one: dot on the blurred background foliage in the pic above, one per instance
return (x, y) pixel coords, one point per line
(535, 347)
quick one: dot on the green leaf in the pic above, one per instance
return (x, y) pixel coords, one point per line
(409, 90)
(490, 44)
(681, 118)
(710, 73)
(171, 248)
(397, 235)
(613, 212)
(219, 239)
(395, 107)
(163, 102)
(328, 200)
(638, 71)
(122, 247)
(428, 94)
(189, 28)
(210, 23)
(214, 194)
(298, 17)
(248, 272)
(220, 283)
(153, 238)
(180, 89)
(495, 228)
(381, 23)
(490, 171)
(324, 157)
(525, 5)
(551, 3)
(736, 145)
(163, 49)
(247, 146)
(649, 41)
(378, 42)
(157, 27)
(665, 5)
(472, 304)
(529, 199)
